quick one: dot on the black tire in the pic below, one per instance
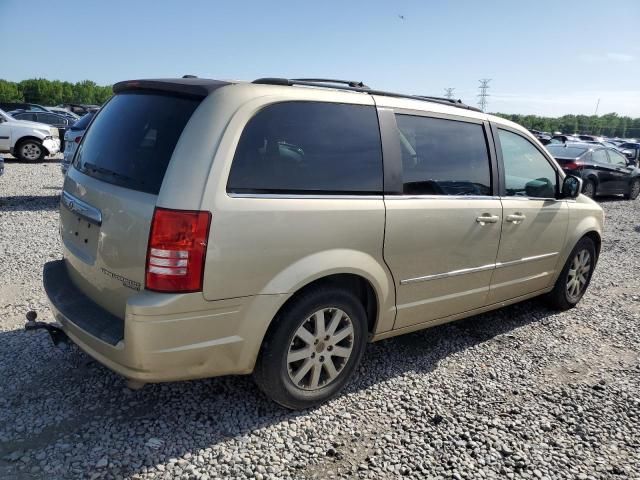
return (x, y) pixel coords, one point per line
(634, 189)
(272, 371)
(589, 188)
(560, 297)
(34, 145)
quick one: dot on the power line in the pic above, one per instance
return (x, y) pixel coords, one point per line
(484, 87)
(448, 92)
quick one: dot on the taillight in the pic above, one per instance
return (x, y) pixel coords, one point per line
(572, 165)
(177, 250)
(77, 139)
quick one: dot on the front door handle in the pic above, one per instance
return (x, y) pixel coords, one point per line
(486, 218)
(515, 218)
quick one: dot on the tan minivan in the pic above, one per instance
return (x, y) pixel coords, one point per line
(275, 227)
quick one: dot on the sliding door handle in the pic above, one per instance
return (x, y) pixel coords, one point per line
(486, 218)
(515, 218)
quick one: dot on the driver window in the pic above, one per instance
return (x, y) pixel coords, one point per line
(443, 157)
(527, 172)
(617, 158)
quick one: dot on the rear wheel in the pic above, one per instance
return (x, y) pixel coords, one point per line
(589, 188)
(575, 276)
(316, 344)
(634, 189)
(30, 150)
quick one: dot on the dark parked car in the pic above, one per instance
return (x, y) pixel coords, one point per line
(1, 165)
(590, 138)
(79, 108)
(562, 138)
(604, 171)
(29, 107)
(62, 122)
(634, 149)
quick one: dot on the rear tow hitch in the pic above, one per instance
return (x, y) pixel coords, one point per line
(55, 332)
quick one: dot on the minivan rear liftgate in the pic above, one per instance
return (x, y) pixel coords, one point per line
(107, 208)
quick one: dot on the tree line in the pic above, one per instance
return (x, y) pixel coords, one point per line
(53, 92)
(610, 125)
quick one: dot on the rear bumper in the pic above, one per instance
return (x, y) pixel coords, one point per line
(163, 337)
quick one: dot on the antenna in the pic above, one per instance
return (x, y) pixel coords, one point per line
(597, 105)
(448, 92)
(484, 87)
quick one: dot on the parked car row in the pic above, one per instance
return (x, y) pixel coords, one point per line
(604, 170)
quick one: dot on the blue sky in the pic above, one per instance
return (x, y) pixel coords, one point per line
(544, 57)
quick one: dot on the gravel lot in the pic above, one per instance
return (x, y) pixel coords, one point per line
(519, 393)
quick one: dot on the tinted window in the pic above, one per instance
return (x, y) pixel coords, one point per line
(443, 157)
(25, 116)
(566, 152)
(131, 141)
(49, 118)
(309, 147)
(600, 156)
(527, 172)
(83, 122)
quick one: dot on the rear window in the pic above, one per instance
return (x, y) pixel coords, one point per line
(303, 147)
(132, 138)
(566, 152)
(83, 123)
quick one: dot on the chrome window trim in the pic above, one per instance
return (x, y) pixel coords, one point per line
(464, 271)
(523, 198)
(441, 197)
(304, 196)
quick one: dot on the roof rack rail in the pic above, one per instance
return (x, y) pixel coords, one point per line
(350, 83)
(353, 86)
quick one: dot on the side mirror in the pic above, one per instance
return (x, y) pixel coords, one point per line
(571, 187)
(629, 154)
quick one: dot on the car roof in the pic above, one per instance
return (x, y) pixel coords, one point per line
(203, 87)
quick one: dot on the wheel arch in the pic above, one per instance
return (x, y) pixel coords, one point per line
(355, 271)
(24, 138)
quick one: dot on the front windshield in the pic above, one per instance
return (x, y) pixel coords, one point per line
(6, 115)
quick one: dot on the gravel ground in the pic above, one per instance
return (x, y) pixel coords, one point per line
(519, 393)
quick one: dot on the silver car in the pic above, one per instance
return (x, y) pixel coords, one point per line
(72, 138)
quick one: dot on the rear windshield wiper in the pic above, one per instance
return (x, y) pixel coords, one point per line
(107, 171)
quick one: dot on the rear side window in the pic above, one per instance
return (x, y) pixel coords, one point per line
(443, 157)
(131, 140)
(303, 147)
(83, 123)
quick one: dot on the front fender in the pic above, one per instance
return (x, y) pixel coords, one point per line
(585, 216)
(340, 261)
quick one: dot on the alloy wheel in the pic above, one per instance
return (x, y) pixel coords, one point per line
(635, 189)
(589, 189)
(578, 274)
(320, 348)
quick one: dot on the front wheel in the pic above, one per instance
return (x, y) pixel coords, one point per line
(30, 150)
(634, 189)
(314, 348)
(575, 276)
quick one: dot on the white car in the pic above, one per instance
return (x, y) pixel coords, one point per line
(27, 141)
